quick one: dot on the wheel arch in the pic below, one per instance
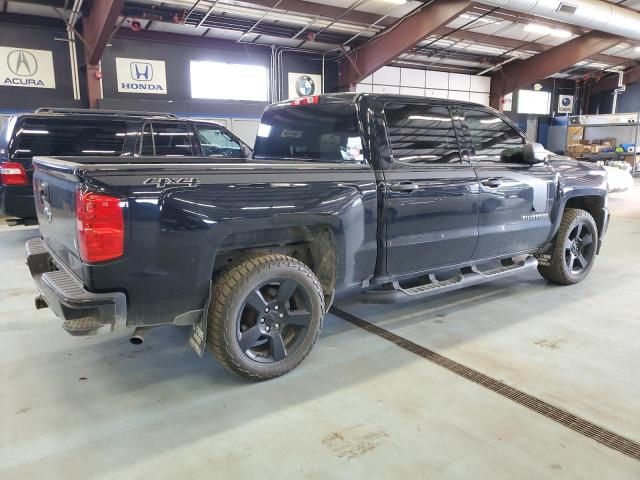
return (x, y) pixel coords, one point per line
(314, 245)
(594, 204)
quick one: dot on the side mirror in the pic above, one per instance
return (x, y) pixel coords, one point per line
(245, 151)
(533, 153)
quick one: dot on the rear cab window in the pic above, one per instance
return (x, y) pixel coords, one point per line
(320, 132)
(66, 137)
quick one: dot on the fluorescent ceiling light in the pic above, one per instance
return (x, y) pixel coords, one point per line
(396, 2)
(544, 30)
(485, 49)
(480, 19)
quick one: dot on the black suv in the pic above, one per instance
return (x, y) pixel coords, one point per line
(67, 132)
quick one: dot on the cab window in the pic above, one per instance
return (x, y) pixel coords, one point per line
(421, 134)
(493, 139)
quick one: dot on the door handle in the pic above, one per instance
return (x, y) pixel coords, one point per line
(404, 187)
(492, 182)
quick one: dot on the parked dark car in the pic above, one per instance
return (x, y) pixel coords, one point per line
(345, 192)
(97, 133)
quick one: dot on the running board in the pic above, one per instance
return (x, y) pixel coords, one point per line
(468, 276)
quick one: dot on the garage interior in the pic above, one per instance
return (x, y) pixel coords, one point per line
(516, 378)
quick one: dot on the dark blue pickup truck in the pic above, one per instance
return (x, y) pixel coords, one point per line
(345, 192)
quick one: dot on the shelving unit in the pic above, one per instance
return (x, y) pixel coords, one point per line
(624, 127)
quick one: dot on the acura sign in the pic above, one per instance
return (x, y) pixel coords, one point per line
(141, 76)
(20, 67)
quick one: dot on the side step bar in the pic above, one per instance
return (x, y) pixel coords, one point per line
(468, 276)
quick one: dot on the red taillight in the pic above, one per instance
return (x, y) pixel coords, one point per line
(306, 100)
(100, 227)
(13, 173)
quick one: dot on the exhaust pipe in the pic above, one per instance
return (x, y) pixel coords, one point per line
(137, 337)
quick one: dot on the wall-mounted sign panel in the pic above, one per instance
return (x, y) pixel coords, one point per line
(565, 103)
(135, 75)
(20, 67)
(304, 84)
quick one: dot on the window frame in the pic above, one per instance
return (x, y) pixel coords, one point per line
(392, 163)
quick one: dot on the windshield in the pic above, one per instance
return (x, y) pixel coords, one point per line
(58, 136)
(319, 132)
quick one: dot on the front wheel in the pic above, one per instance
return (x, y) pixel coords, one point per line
(265, 316)
(574, 249)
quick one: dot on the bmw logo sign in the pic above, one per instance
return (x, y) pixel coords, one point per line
(566, 101)
(305, 86)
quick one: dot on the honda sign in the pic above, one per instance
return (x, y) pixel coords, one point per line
(141, 76)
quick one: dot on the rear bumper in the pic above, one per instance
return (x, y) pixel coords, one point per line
(17, 201)
(83, 312)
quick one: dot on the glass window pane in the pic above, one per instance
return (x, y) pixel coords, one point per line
(421, 134)
(58, 136)
(172, 139)
(217, 143)
(494, 140)
(321, 132)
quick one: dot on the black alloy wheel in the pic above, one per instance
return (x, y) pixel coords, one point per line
(265, 316)
(274, 320)
(574, 249)
(579, 248)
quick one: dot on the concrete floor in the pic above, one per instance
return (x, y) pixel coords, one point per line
(359, 407)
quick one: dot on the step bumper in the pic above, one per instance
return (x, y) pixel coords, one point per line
(83, 312)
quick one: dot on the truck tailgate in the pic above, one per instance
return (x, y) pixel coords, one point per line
(55, 189)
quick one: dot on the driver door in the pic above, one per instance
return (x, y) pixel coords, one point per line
(515, 198)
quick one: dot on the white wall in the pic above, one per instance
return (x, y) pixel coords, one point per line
(428, 83)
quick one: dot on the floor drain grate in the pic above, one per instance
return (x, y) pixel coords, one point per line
(580, 425)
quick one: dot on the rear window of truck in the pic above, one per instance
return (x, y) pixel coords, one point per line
(57, 136)
(314, 132)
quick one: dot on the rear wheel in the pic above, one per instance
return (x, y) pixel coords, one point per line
(265, 316)
(574, 250)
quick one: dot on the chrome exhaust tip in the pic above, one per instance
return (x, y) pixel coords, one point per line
(137, 337)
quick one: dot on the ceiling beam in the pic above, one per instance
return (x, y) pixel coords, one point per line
(610, 83)
(516, 75)
(513, 44)
(397, 39)
(98, 27)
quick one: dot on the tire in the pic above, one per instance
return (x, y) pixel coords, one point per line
(265, 316)
(574, 249)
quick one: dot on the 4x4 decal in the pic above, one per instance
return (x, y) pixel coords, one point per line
(172, 182)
